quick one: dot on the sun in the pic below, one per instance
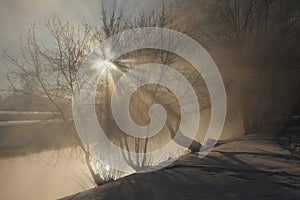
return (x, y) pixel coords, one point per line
(105, 65)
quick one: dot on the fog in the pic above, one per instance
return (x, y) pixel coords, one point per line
(46, 175)
(254, 45)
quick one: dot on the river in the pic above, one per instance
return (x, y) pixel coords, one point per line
(45, 175)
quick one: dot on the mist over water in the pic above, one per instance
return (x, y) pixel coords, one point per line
(42, 156)
(37, 157)
(46, 175)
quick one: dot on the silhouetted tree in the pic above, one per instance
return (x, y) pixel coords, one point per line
(53, 66)
(259, 40)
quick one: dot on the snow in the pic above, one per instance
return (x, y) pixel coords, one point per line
(251, 167)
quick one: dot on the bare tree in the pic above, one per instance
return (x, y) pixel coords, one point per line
(258, 39)
(53, 68)
(165, 18)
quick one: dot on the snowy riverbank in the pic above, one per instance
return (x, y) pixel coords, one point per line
(252, 167)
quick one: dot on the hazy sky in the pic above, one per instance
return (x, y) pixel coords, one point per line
(17, 15)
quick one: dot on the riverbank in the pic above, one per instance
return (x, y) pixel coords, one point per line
(290, 140)
(252, 167)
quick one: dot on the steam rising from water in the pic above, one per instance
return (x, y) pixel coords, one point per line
(46, 175)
